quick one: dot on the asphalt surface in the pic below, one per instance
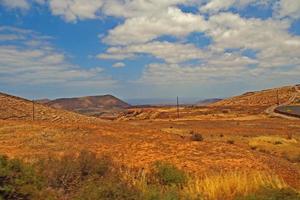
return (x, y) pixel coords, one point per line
(289, 110)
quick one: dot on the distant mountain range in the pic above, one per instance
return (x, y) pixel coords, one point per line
(171, 102)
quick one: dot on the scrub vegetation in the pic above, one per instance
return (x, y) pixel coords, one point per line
(86, 176)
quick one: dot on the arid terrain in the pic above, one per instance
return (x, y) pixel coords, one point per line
(106, 106)
(237, 134)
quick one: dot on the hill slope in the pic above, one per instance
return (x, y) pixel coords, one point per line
(260, 98)
(208, 101)
(100, 106)
(16, 108)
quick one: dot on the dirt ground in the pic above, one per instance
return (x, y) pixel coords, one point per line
(239, 135)
(139, 143)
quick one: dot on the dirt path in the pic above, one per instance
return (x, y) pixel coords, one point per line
(271, 110)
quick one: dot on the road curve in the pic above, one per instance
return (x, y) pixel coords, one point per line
(272, 110)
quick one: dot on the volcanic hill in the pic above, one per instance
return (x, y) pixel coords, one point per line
(106, 106)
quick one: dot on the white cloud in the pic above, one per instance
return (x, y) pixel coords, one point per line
(273, 47)
(288, 8)
(118, 65)
(72, 10)
(13, 4)
(146, 28)
(169, 52)
(20, 4)
(144, 23)
(41, 64)
(270, 38)
(215, 6)
(138, 8)
(170, 74)
(6, 37)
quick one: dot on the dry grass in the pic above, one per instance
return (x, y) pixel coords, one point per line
(276, 145)
(260, 98)
(230, 185)
(223, 186)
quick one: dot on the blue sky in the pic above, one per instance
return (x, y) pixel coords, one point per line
(147, 49)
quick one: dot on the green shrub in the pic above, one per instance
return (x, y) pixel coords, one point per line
(156, 193)
(106, 189)
(272, 194)
(197, 137)
(168, 174)
(18, 181)
(89, 164)
(69, 171)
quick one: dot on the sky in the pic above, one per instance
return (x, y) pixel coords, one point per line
(147, 48)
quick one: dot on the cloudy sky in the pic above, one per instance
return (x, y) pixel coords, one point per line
(147, 48)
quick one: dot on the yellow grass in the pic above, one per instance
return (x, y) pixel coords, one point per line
(225, 186)
(287, 148)
(229, 185)
(272, 140)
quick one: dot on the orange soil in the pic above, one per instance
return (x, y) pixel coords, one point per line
(140, 143)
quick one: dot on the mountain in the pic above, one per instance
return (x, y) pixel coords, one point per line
(106, 106)
(17, 108)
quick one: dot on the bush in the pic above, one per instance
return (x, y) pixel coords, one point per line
(69, 171)
(168, 174)
(156, 193)
(89, 164)
(277, 142)
(196, 137)
(106, 189)
(272, 194)
(18, 181)
(230, 141)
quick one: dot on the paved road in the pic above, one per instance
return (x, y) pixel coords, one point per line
(274, 112)
(289, 110)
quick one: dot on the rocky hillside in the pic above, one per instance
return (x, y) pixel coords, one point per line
(16, 108)
(267, 97)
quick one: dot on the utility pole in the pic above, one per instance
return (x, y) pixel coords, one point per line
(177, 107)
(33, 110)
(277, 94)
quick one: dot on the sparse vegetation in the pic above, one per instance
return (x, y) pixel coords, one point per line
(280, 146)
(136, 145)
(168, 174)
(230, 141)
(18, 181)
(277, 142)
(87, 177)
(69, 171)
(230, 185)
(196, 137)
(267, 193)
